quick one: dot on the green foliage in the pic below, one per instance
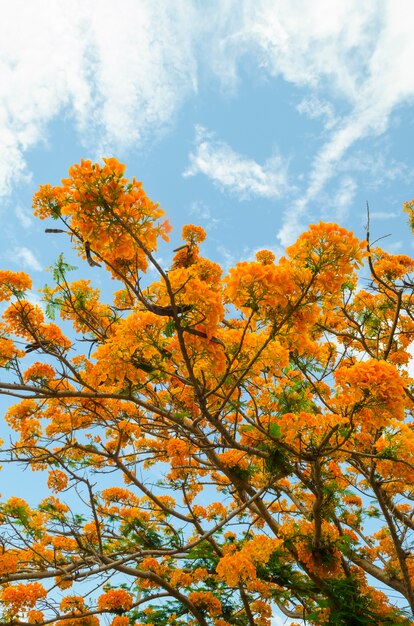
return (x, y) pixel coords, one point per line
(349, 606)
(60, 269)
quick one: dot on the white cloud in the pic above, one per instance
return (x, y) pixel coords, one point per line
(233, 172)
(383, 215)
(35, 299)
(116, 69)
(338, 207)
(315, 108)
(346, 193)
(25, 257)
(356, 52)
(203, 212)
(23, 216)
(394, 247)
(122, 71)
(229, 259)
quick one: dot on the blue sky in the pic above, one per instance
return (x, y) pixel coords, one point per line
(252, 119)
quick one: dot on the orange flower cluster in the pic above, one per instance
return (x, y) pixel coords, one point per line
(179, 578)
(207, 601)
(193, 234)
(331, 253)
(101, 207)
(282, 382)
(35, 617)
(12, 283)
(120, 620)
(57, 481)
(9, 561)
(234, 458)
(263, 611)
(150, 564)
(233, 568)
(265, 256)
(241, 565)
(304, 428)
(323, 559)
(39, 372)
(376, 388)
(261, 287)
(261, 548)
(22, 597)
(24, 418)
(119, 494)
(26, 320)
(391, 267)
(72, 604)
(115, 600)
(7, 351)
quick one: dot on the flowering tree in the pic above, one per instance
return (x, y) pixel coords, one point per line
(214, 447)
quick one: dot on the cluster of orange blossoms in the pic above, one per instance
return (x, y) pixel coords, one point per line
(212, 447)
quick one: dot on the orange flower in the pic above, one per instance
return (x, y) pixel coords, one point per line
(12, 283)
(120, 620)
(375, 386)
(20, 597)
(8, 350)
(193, 234)
(207, 601)
(233, 568)
(39, 371)
(115, 600)
(72, 604)
(150, 564)
(57, 481)
(8, 562)
(35, 617)
(265, 256)
(234, 458)
(97, 202)
(118, 494)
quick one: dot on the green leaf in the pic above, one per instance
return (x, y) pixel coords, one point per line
(274, 430)
(55, 211)
(347, 286)
(60, 268)
(169, 329)
(388, 453)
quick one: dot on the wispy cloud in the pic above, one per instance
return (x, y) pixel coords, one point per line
(203, 212)
(377, 168)
(117, 71)
(338, 206)
(383, 215)
(323, 169)
(345, 194)
(228, 258)
(25, 257)
(314, 108)
(23, 216)
(356, 53)
(122, 74)
(234, 172)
